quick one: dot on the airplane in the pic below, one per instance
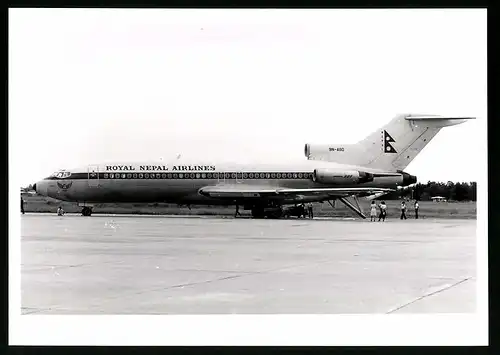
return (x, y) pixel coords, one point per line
(370, 168)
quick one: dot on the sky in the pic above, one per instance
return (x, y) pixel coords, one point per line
(98, 85)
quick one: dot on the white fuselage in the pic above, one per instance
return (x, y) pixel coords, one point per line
(179, 182)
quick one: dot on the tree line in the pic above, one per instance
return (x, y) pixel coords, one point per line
(452, 191)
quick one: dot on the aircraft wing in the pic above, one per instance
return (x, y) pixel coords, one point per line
(255, 192)
(376, 195)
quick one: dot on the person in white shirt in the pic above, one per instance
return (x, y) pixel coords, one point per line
(60, 211)
(373, 211)
(403, 210)
(383, 211)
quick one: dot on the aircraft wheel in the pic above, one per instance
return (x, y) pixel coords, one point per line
(257, 212)
(86, 211)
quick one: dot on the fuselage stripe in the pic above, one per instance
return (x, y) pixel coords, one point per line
(192, 176)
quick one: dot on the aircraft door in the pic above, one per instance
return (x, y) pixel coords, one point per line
(93, 175)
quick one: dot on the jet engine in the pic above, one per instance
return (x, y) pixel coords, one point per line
(333, 176)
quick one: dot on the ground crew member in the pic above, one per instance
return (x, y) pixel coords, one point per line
(302, 210)
(237, 213)
(403, 210)
(383, 211)
(373, 211)
(60, 211)
(310, 209)
(22, 205)
(416, 209)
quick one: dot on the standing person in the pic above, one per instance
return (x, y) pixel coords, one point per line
(373, 211)
(416, 209)
(237, 213)
(383, 211)
(22, 205)
(310, 209)
(403, 210)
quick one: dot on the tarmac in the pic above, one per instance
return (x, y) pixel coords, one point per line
(112, 264)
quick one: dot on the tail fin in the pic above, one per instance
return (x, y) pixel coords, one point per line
(393, 146)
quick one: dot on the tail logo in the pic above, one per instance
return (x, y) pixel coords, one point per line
(387, 140)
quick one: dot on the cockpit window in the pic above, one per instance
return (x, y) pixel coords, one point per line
(61, 174)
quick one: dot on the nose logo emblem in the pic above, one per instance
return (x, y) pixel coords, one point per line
(64, 186)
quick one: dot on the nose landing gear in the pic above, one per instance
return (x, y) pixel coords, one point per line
(86, 211)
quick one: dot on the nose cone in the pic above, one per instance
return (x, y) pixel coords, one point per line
(41, 187)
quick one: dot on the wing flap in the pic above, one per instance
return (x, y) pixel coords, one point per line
(336, 190)
(435, 117)
(253, 192)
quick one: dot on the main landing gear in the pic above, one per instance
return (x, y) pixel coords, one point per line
(273, 212)
(86, 211)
